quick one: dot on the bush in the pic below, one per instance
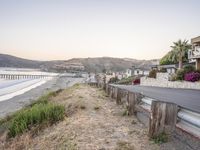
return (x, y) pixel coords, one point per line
(126, 80)
(38, 114)
(113, 80)
(136, 81)
(161, 138)
(45, 98)
(35, 115)
(152, 73)
(188, 68)
(192, 77)
(180, 74)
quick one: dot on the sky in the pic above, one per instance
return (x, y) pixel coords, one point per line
(64, 29)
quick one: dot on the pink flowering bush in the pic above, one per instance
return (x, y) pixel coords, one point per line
(192, 76)
(136, 81)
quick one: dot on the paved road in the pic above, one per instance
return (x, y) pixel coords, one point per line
(189, 99)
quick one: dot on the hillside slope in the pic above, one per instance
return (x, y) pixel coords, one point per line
(114, 64)
(12, 61)
(91, 64)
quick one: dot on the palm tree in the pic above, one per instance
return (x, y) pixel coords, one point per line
(180, 50)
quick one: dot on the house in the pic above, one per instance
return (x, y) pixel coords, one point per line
(139, 71)
(136, 71)
(194, 53)
(169, 68)
(129, 72)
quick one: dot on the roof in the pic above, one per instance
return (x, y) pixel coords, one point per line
(169, 66)
(195, 40)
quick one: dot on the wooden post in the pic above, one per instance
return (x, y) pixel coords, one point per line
(115, 93)
(131, 103)
(163, 118)
(111, 91)
(124, 97)
(119, 96)
(107, 88)
(104, 86)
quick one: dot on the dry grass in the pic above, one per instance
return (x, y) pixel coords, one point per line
(93, 122)
(123, 145)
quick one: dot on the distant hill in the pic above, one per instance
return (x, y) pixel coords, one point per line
(115, 64)
(12, 61)
(91, 64)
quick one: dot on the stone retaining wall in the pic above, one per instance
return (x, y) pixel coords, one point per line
(163, 82)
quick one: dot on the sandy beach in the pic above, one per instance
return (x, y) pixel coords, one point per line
(9, 106)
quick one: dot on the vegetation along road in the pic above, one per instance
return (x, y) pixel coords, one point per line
(92, 121)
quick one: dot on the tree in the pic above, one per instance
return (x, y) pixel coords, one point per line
(167, 59)
(179, 51)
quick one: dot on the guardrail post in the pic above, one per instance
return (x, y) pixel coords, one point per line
(104, 86)
(119, 96)
(115, 93)
(111, 91)
(131, 103)
(163, 118)
(107, 88)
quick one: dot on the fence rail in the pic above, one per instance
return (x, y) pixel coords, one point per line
(162, 116)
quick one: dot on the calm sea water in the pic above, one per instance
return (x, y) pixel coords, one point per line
(11, 88)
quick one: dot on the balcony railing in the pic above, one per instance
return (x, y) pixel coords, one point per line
(194, 53)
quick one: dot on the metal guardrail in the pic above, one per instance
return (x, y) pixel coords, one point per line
(146, 103)
(189, 121)
(186, 120)
(190, 117)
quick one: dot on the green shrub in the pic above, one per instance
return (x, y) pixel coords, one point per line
(128, 80)
(35, 115)
(113, 80)
(188, 69)
(161, 138)
(152, 73)
(180, 74)
(173, 77)
(45, 98)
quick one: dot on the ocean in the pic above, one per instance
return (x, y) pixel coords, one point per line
(25, 80)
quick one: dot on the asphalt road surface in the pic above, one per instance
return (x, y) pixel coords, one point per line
(186, 98)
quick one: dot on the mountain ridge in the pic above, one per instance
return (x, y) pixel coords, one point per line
(91, 64)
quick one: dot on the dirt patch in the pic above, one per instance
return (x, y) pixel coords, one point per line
(93, 122)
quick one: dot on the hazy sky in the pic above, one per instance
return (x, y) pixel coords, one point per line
(62, 29)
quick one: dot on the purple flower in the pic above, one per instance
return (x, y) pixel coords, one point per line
(192, 76)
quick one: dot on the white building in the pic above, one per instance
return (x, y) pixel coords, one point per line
(139, 71)
(129, 72)
(136, 72)
(194, 53)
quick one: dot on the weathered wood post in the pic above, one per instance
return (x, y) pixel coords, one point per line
(104, 86)
(163, 118)
(131, 103)
(124, 97)
(107, 88)
(111, 91)
(115, 93)
(119, 96)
